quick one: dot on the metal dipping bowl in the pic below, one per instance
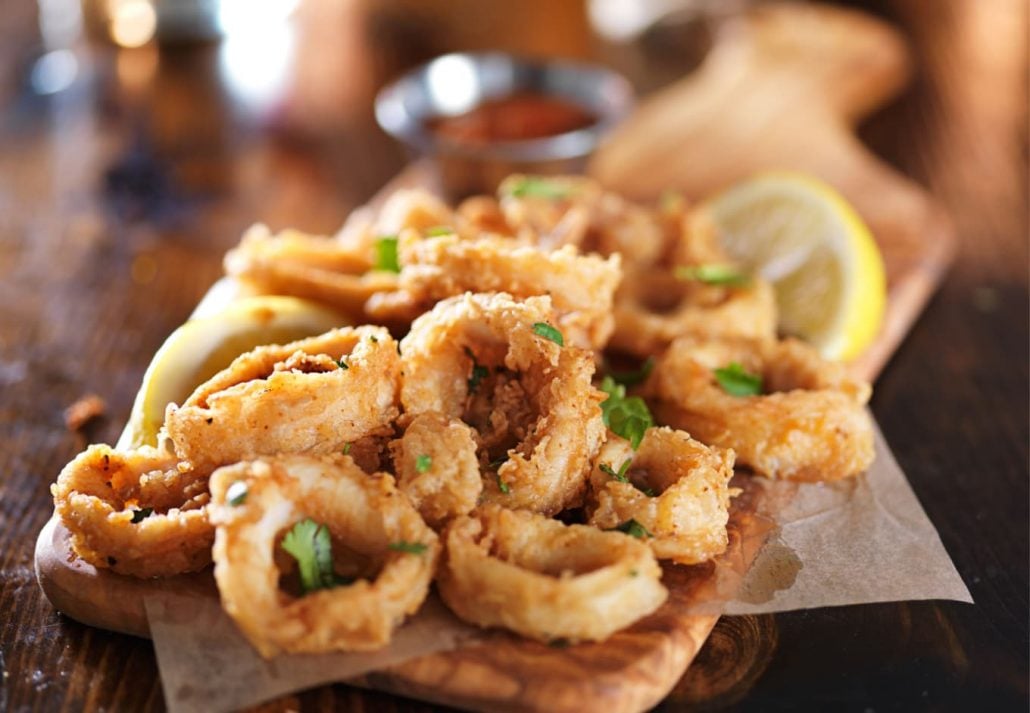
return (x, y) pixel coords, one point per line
(453, 84)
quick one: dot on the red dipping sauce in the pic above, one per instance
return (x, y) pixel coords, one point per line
(515, 118)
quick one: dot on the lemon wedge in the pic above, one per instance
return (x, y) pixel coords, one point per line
(802, 236)
(203, 346)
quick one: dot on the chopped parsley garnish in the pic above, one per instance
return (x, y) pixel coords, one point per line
(634, 529)
(309, 544)
(236, 494)
(437, 230)
(479, 372)
(502, 486)
(632, 378)
(498, 462)
(346, 448)
(633, 573)
(536, 187)
(714, 274)
(373, 338)
(423, 463)
(543, 329)
(412, 548)
(141, 514)
(736, 381)
(620, 474)
(387, 258)
(626, 416)
(342, 362)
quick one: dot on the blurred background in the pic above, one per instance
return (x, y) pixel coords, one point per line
(170, 108)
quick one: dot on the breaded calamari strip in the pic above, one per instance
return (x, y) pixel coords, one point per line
(676, 488)
(393, 553)
(581, 287)
(135, 512)
(311, 396)
(482, 358)
(809, 422)
(546, 580)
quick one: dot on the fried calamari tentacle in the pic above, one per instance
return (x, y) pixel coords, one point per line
(484, 359)
(436, 467)
(581, 287)
(135, 512)
(311, 396)
(544, 579)
(377, 539)
(807, 421)
(674, 487)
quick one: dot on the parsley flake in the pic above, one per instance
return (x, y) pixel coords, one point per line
(236, 494)
(412, 548)
(346, 449)
(543, 329)
(714, 274)
(309, 544)
(479, 372)
(537, 187)
(620, 474)
(423, 463)
(634, 529)
(387, 258)
(502, 486)
(437, 230)
(626, 416)
(736, 381)
(342, 363)
(632, 378)
(141, 514)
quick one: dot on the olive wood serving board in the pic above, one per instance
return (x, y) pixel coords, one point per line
(781, 88)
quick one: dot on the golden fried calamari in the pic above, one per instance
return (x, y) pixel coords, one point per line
(332, 459)
(310, 396)
(581, 287)
(482, 359)
(674, 487)
(544, 579)
(808, 423)
(436, 467)
(367, 518)
(309, 266)
(135, 512)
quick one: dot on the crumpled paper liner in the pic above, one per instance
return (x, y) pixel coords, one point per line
(853, 542)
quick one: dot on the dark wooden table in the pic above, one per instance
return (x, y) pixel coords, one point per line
(119, 195)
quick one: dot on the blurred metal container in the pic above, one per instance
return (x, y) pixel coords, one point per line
(454, 84)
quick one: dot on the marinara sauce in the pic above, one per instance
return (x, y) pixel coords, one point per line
(514, 118)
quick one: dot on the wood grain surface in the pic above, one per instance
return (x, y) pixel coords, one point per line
(118, 197)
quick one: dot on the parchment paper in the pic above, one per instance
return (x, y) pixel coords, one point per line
(864, 540)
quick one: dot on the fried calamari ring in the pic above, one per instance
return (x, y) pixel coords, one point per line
(337, 271)
(537, 417)
(436, 467)
(310, 396)
(546, 580)
(574, 210)
(808, 424)
(655, 307)
(135, 512)
(581, 287)
(676, 488)
(365, 515)
(309, 266)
